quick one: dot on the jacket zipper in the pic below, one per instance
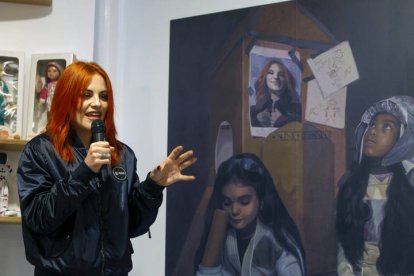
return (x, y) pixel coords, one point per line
(98, 183)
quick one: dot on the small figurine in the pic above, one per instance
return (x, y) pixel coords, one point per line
(52, 74)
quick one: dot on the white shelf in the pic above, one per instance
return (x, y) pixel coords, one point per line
(30, 2)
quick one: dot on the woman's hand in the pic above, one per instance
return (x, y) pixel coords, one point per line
(264, 118)
(274, 116)
(169, 171)
(99, 154)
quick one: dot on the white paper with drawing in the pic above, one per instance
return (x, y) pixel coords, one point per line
(329, 111)
(334, 69)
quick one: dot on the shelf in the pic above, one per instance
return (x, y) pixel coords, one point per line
(12, 144)
(10, 220)
(30, 2)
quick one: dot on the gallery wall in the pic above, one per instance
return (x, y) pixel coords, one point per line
(61, 28)
(144, 63)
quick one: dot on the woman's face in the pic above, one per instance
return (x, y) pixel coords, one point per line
(381, 135)
(53, 73)
(275, 78)
(94, 106)
(241, 204)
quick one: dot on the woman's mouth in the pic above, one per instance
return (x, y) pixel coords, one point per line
(236, 221)
(370, 142)
(93, 115)
(275, 82)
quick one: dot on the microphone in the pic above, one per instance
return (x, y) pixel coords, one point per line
(98, 134)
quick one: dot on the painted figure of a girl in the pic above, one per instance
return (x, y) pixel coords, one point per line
(260, 238)
(375, 204)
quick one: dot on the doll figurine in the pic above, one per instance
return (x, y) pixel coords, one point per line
(53, 71)
(52, 74)
(4, 90)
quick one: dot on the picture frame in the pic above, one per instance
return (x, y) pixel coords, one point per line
(11, 94)
(45, 73)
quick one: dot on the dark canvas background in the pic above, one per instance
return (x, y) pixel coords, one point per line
(381, 36)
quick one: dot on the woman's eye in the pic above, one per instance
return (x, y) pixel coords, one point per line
(245, 200)
(226, 202)
(104, 97)
(387, 126)
(87, 95)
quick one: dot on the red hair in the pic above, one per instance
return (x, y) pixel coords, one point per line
(67, 101)
(262, 90)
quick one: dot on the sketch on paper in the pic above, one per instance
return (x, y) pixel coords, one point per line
(329, 111)
(334, 69)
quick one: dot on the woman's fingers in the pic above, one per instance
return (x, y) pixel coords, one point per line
(175, 152)
(187, 163)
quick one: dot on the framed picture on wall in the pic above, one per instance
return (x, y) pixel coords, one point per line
(11, 94)
(45, 72)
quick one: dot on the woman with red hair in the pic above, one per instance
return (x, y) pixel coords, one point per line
(276, 100)
(74, 220)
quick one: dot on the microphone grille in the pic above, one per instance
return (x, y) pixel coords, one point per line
(98, 126)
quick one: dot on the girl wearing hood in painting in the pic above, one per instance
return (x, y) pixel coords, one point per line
(260, 237)
(375, 204)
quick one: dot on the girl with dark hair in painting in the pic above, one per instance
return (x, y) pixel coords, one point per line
(260, 237)
(375, 205)
(276, 100)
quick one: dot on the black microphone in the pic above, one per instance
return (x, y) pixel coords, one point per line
(98, 134)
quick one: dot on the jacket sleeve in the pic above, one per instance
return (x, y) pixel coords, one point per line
(211, 271)
(47, 199)
(344, 267)
(144, 201)
(287, 264)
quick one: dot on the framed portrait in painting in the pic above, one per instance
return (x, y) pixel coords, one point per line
(11, 94)
(45, 72)
(274, 87)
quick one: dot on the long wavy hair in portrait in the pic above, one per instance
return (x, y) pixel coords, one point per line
(263, 92)
(396, 243)
(68, 99)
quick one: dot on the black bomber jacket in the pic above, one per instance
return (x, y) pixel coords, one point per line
(73, 223)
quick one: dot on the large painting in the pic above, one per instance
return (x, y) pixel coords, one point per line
(301, 117)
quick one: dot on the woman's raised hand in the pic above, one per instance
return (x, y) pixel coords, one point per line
(169, 171)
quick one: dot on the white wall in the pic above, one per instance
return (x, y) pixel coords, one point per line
(130, 39)
(66, 27)
(62, 28)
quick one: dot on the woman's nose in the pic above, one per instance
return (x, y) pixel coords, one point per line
(235, 210)
(96, 101)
